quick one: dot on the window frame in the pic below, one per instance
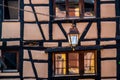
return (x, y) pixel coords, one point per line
(16, 52)
(18, 11)
(81, 5)
(81, 57)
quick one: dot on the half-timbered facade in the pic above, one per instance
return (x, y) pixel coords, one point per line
(34, 40)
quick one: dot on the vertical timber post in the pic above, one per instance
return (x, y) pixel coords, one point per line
(50, 66)
(118, 38)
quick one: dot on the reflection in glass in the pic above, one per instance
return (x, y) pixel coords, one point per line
(73, 59)
(89, 63)
(89, 8)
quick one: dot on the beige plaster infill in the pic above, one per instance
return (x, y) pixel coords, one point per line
(27, 69)
(40, 1)
(108, 68)
(45, 29)
(1, 43)
(13, 43)
(108, 43)
(9, 74)
(44, 13)
(108, 29)
(92, 32)
(39, 55)
(36, 1)
(107, 0)
(57, 33)
(28, 16)
(50, 44)
(108, 53)
(32, 32)
(10, 30)
(26, 1)
(107, 10)
(88, 43)
(26, 56)
(65, 44)
(42, 69)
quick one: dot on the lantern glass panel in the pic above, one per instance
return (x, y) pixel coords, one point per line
(73, 39)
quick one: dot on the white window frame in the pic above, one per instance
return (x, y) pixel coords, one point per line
(17, 10)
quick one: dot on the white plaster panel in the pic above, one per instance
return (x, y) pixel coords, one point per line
(10, 30)
(32, 32)
(108, 29)
(107, 10)
(28, 16)
(42, 13)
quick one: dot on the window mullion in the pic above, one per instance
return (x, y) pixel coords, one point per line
(54, 7)
(67, 64)
(67, 8)
(81, 60)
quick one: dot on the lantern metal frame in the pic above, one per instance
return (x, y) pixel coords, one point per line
(73, 36)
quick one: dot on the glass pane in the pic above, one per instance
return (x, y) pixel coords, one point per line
(73, 8)
(89, 62)
(11, 9)
(73, 63)
(10, 60)
(60, 8)
(74, 39)
(60, 64)
(89, 8)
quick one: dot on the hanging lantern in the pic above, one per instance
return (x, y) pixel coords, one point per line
(73, 36)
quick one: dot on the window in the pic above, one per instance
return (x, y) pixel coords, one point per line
(10, 10)
(75, 63)
(74, 8)
(9, 61)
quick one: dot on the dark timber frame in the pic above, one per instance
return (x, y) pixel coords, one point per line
(97, 47)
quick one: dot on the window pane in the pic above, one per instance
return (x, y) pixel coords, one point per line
(11, 9)
(89, 62)
(60, 64)
(73, 8)
(89, 8)
(10, 60)
(60, 8)
(73, 63)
